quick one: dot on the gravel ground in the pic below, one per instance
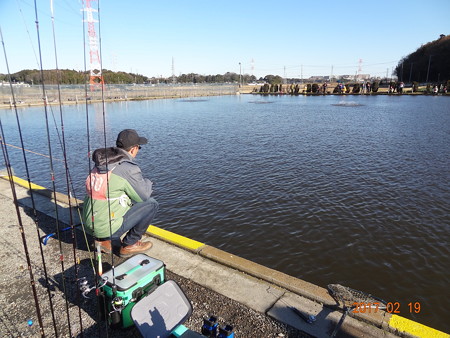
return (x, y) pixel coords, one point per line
(18, 306)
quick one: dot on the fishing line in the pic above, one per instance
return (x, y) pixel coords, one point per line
(63, 145)
(28, 32)
(31, 151)
(35, 218)
(51, 169)
(66, 166)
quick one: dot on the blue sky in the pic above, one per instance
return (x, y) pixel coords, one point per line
(287, 38)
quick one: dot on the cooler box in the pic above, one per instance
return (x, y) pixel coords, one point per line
(161, 313)
(133, 279)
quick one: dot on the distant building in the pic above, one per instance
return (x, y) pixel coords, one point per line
(327, 78)
(346, 77)
(362, 77)
(318, 78)
(15, 84)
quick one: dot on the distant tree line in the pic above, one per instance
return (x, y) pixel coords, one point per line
(67, 76)
(33, 76)
(430, 62)
(70, 77)
(228, 77)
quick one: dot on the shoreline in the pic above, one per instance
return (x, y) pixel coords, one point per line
(31, 96)
(27, 98)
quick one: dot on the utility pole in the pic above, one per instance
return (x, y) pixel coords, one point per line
(240, 75)
(173, 70)
(301, 73)
(401, 77)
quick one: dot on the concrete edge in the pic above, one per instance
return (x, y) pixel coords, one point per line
(387, 321)
(293, 284)
(62, 198)
(175, 239)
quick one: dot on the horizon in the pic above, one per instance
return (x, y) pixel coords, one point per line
(319, 78)
(296, 40)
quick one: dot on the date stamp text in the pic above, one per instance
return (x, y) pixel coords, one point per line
(391, 307)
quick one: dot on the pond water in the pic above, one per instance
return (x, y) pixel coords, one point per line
(330, 189)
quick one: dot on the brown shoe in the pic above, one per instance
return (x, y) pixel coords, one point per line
(138, 247)
(105, 246)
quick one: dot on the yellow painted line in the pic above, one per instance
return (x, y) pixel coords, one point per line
(174, 238)
(24, 183)
(409, 326)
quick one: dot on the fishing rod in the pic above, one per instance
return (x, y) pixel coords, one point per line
(35, 218)
(101, 301)
(22, 232)
(52, 175)
(71, 223)
(114, 287)
(44, 239)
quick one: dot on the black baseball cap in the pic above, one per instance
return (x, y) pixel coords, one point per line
(128, 138)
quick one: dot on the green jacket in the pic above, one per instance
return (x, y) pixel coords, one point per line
(114, 168)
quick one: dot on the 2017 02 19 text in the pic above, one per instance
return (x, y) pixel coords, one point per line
(391, 307)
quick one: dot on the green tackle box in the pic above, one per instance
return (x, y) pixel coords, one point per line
(126, 284)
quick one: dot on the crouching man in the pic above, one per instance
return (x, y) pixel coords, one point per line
(127, 208)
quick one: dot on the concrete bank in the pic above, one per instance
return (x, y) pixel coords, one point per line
(261, 289)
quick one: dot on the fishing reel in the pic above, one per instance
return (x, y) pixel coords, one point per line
(117, 304)
(85, 289)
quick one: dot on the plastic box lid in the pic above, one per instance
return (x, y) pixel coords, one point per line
(131, 271)
(159, 313)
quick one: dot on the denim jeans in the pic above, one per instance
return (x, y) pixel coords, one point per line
(136, 221)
